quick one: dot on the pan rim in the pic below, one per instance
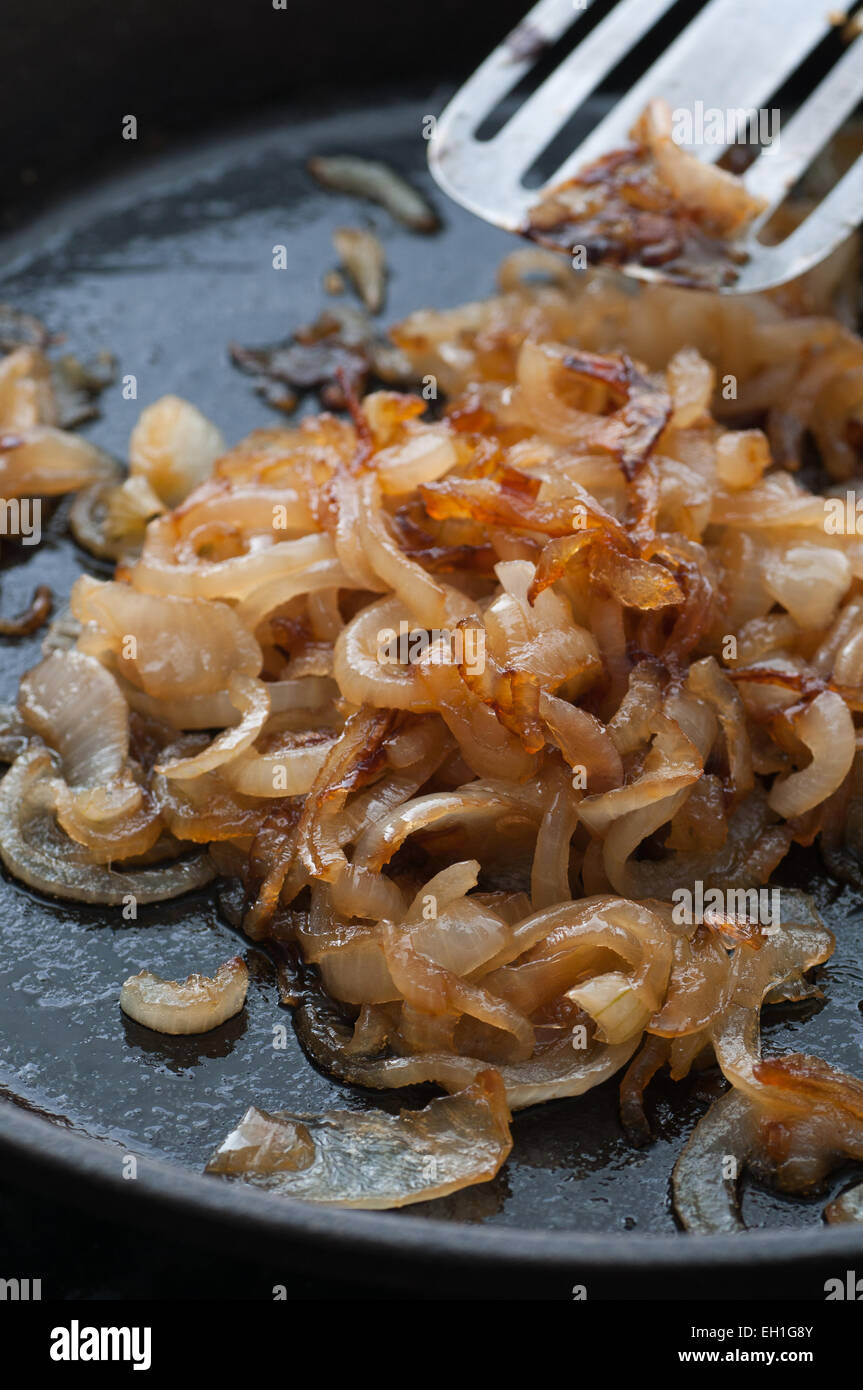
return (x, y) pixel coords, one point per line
(39, 1147)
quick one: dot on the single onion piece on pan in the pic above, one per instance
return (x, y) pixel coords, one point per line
(705, 1199)
(477, 802)
(549, 875)
(741, 458)
(421, 458)
(31, 618)
(362, 256)
(78, 708)
(689, 379)
(321, 574)
(808, 580)
(707, 681)
(367, 659)
(647, 1062)
(194, 1005)
(632, 725)
(288, 768)
(159, 569)
(447, 886)
(368, 1159)
(698, 987)
(423, 596)
(583, 741)
(109, 518)
(372, 179)
(26, 392)
(634, 583)
(614, 1006)
(801, 943)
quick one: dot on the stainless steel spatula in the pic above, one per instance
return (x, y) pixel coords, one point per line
(733, 57)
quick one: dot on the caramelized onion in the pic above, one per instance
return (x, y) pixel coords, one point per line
(39, 855)
(168, 647)
(705, 1198)
(76, 706)
(42, 461)
(826, 728)
(370, 1159)
(576, 633)
(174, 447)
(251, 698)
(554, 1072)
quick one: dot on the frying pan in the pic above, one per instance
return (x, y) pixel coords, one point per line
(160, 251)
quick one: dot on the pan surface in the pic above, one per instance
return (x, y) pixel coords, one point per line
(163, 264)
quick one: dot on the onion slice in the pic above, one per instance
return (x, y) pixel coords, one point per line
(705, 1199)
(195, 1005)
(554, 1072)
(827, 729)
(75, 705)
(251, 698)
(369, 1159)
(37, 853)
(372, 179)
(846, 1208)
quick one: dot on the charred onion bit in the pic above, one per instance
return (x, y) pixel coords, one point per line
(646, 407)
(33, 617)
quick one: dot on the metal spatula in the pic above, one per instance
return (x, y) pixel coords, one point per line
(734, 56)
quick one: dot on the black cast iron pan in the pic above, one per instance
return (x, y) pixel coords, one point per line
(160, 251)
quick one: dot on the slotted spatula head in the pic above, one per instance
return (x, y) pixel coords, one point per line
(734, 57)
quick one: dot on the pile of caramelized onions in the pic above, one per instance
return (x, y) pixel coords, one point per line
(462, 696)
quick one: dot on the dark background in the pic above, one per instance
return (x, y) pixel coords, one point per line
(192, 64)
(80, 1256)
